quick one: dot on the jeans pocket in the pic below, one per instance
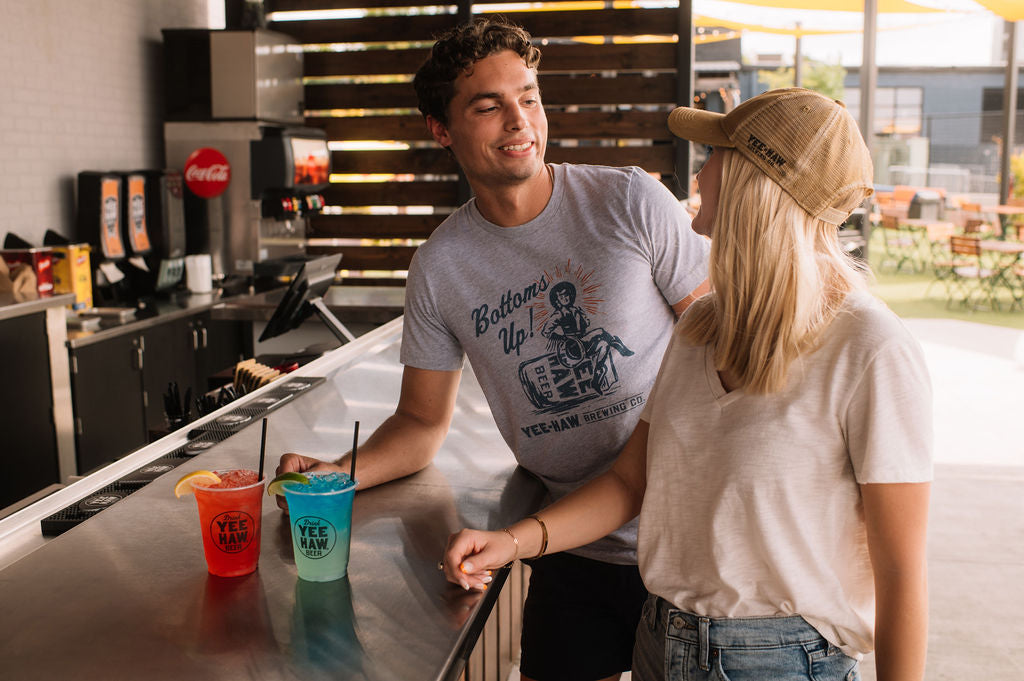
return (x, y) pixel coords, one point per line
(828, 663)
(678, 659)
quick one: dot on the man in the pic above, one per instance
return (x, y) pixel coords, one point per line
(484, 287)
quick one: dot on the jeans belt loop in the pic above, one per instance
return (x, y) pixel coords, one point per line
(703, 624)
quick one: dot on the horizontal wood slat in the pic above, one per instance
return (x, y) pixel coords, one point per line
(596, 22)
(306, 5)
(589, 58)
(401, 128)
(581, 125)
(366, 62)
(392, 194)
(556, 90)
(539, 24)
(609, 125)
(430, 161)
(368, 29)
(374, 226)
(369, 257)
(656, 159)
(411, 161)
(368, 96)
(581, 57)
(625, 89)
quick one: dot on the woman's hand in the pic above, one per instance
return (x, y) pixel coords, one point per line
(472, 555)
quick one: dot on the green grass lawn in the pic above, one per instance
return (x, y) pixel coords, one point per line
(908, 294)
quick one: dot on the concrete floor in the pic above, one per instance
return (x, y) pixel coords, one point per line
(976, 530)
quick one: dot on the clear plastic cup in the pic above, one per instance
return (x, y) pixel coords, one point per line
(229, 518)
(321, 524)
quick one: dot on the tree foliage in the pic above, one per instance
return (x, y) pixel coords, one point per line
(818, 76)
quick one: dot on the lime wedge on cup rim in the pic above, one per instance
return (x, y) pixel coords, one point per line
(276, 485)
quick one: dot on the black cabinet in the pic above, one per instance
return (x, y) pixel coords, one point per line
(106, 384)
(118, 383)
(167, 356)
(28, 447)
(218, 344)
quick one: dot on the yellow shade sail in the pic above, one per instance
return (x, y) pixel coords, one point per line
(757, 28)
(1011, 10)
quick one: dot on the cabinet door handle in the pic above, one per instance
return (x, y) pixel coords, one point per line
(138, 355)
(195, 339)
(204, 336)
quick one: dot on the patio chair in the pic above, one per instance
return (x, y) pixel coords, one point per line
(1016, 280)
(972, 220)
(972, 281)
(943, 260)
(902, 246)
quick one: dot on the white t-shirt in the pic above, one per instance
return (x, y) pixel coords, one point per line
(752, 506)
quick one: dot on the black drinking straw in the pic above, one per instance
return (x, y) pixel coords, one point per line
(355, 443)
(263, 449)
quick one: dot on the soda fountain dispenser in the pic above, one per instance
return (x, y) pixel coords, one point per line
(252, 172)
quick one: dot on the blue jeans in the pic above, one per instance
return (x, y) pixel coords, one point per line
(673, 645)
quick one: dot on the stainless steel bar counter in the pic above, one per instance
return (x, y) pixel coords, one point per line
(125, 594)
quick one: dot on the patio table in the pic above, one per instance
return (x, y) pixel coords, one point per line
(1006, 255)
(1004, 212)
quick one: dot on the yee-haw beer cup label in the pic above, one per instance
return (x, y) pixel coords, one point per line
(232, 531)
(315, 537)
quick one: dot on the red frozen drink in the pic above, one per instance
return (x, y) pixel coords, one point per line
(229, 518)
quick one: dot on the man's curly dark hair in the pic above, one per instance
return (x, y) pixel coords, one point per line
(457, 50)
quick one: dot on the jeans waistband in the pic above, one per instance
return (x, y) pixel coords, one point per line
(736, 632)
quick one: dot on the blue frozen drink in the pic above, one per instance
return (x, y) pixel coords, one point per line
(321, 518)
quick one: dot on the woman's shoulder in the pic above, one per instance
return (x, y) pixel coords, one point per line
(868, 321)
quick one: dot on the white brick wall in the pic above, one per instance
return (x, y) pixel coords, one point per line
(80, 89)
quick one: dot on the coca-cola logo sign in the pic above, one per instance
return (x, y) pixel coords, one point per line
(207, 172)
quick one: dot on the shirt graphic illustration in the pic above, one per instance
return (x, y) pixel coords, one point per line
(577, 365)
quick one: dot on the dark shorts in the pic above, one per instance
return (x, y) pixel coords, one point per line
(580, 618)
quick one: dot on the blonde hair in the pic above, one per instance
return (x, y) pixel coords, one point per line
(778, 279)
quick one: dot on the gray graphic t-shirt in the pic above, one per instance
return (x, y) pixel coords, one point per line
(564, 319)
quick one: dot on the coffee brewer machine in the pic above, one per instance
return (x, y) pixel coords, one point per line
(252, 173)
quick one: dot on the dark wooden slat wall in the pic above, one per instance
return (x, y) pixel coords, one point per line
(606, 104)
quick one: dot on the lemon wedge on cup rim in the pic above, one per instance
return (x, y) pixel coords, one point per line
(276, 485)
(184, 486)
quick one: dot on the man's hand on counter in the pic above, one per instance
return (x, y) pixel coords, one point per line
(296, 463)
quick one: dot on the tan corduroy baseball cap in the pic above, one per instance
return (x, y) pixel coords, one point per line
(807, 143)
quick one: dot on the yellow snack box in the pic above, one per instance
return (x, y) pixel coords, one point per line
(72, 274)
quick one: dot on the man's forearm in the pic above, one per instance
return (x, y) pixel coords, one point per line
(401, 446)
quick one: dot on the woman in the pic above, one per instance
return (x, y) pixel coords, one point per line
(781, 467)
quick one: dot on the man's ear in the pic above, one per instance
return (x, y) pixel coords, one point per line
(439, 131)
